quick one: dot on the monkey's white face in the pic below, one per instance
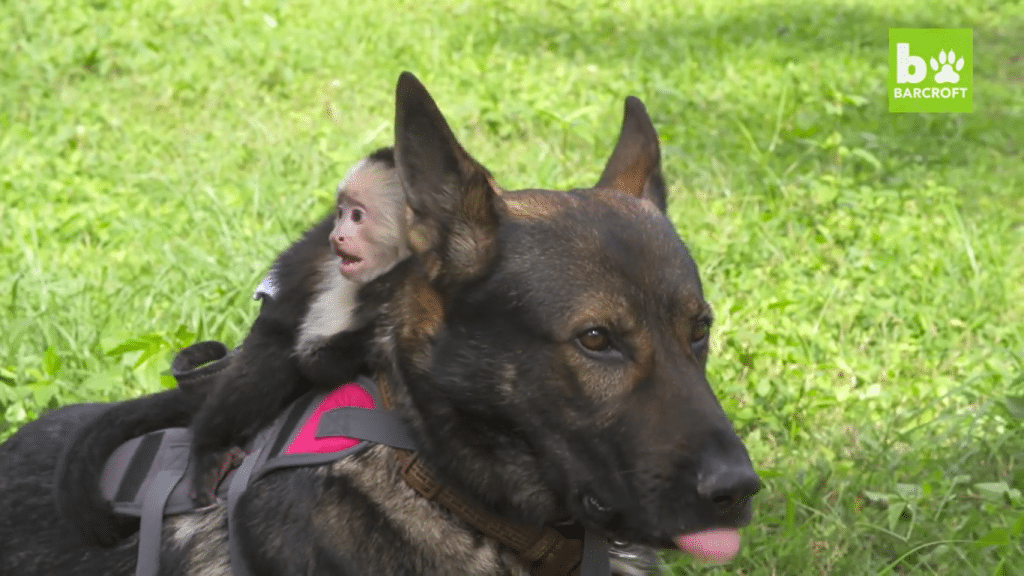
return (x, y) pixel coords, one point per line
(356, 228)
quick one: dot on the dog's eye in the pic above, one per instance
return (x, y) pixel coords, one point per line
(701, 330)
(595, 339)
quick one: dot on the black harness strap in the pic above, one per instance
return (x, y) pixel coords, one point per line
(595, 555)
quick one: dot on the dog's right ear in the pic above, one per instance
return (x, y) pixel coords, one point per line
(453, 199)
(635, 165)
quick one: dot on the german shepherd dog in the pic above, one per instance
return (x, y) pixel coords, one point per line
(547, 349)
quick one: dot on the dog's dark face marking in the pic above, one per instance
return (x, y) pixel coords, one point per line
(609, 303)
(550, 347)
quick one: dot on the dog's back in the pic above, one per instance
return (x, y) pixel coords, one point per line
(32, 540)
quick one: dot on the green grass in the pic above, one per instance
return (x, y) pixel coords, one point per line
(866, 268)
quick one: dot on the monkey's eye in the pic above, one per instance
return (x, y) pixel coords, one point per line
(357, 215)
(595, 339)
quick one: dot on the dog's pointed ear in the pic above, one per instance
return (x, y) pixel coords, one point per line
(453, 199)
(635, 165)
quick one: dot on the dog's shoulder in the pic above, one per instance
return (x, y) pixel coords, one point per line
(366, 520)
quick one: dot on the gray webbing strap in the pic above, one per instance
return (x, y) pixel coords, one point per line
(239, 566)
(152, 519)
(380, 426)
(364, 424)
(595, 555)
(242, 476)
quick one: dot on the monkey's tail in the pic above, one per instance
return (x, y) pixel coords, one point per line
(77, 492)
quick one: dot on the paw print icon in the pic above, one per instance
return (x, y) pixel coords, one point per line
(947, 61)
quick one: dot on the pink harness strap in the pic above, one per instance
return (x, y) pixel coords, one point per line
(306, 441)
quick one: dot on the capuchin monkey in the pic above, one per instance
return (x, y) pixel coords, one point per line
(309, 334)
(368, 238)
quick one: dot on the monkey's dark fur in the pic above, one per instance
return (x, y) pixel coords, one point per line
(548, 351)
(264, 375)
(268, 370)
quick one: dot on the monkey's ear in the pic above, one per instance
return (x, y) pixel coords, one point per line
(635, 165)
(454, 201)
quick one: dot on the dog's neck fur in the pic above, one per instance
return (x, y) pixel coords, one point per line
(376, 473)
(505, 478)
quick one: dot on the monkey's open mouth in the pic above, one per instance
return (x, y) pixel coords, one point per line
(348, 259)
(350, 265)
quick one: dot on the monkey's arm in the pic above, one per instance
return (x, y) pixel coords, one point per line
(263, 375)
(338, 359)
(261, 379)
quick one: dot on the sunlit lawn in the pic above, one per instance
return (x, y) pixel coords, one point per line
(866, 268)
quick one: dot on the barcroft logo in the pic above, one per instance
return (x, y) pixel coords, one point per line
(930, 70)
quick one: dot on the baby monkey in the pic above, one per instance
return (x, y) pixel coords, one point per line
(310, 332)
(368, 238)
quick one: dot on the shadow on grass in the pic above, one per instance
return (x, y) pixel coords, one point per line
(840, 54)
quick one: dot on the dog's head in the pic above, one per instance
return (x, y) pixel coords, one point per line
(549, 347)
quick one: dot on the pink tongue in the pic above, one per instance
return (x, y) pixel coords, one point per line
(718, 545)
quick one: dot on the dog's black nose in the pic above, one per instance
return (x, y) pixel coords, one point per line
(727, 487)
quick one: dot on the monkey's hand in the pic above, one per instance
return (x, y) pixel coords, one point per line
(211, 469)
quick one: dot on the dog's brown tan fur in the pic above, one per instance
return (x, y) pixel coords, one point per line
(547, 349)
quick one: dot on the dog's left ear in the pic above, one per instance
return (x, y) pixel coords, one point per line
(635, 165)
